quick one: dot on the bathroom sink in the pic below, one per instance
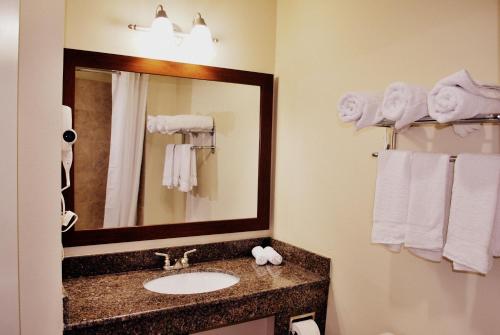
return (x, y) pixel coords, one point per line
(191, 283)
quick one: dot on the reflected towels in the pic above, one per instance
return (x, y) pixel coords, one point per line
(166, 124)
(179, 169)
(361, 108)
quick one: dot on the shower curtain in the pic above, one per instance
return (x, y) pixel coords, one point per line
(129, 92)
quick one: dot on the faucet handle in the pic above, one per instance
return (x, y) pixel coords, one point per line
(189, 252)
(167, 265)
(185, 259)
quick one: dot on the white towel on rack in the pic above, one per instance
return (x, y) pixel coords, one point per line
(458, 96)
(170, 179)
(473, 212)
(404, 104)
(455, 103)
(187, 170)
(390, 210)
(428, 204)
(361, 108)
(166, 124)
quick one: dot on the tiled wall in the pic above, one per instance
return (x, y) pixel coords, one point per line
(92, 121)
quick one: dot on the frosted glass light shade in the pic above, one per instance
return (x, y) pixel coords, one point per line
(162, 28)
(199, 43)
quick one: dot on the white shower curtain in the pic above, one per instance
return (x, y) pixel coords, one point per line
(129, 92)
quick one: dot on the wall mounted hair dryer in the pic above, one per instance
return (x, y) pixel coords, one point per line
(68, 138)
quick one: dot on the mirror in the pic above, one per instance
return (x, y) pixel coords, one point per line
(138, 175)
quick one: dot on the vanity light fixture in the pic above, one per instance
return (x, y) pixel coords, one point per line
(198, 42)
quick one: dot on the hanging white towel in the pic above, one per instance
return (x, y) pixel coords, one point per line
(428, 204)
(166, 124)
(404, 104)
(473, 212)
(168, 167)
(361, 108)
(391, 198)
(187, 159)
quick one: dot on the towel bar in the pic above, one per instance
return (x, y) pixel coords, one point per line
(391, 140)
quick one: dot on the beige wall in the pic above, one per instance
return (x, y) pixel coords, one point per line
(246, 29)
(9, 279)
(39, 161)
(323, 201)
(247, 33)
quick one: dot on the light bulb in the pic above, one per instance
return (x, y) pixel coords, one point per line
(199, 43)
(162, 29)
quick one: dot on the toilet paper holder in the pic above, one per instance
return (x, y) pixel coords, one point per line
(298, 318)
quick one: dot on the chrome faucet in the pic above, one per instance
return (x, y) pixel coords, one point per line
(166, 265)
(180, 263)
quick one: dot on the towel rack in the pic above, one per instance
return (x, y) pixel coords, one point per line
(212, 131)
(391, 132)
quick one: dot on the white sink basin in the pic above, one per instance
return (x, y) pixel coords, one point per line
(191, 283)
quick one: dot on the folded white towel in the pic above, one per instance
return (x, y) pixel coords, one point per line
(391, 198)
(458, 96)
(361, 108)
(272, 256)
(260, 257)
(472, 214)
(166, 124)
(168, 167)
(428, 204)
(404, 103)
(187, 158)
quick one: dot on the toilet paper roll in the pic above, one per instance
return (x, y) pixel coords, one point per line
(307, 327)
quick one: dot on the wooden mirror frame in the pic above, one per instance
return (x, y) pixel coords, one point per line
(78, 58)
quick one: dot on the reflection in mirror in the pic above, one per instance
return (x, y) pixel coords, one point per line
(121, 167)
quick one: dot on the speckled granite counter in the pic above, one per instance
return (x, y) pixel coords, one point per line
(117, 303)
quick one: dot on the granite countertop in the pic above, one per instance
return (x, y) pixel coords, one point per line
(100, 299)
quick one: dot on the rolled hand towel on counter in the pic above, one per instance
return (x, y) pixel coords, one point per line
(166, 124)
(361, 108)
(272, 256)
(428, 204)
(473, 212)
(258, 254)
(391, 198)
(267, 254)
(404, 104)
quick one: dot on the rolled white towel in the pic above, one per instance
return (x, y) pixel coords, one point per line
(455, 103)
(404, 103)
(151, 124)
(260, 257)
(272, 256)
(458, 96)
(170, 124)
(361, 108)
